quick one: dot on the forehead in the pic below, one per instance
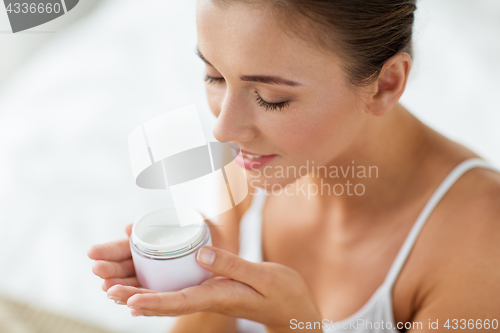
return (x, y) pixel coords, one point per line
(249, 37)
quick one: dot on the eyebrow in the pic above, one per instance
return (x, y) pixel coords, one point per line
(267, 79)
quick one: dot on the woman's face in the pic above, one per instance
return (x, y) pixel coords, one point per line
(274, 94)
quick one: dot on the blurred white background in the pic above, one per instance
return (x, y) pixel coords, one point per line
(69, 99)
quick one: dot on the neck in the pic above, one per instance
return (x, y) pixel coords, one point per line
(376, 170)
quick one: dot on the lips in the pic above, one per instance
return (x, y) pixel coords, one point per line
(252, 161)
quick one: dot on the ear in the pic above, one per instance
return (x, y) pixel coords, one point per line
(390, 84)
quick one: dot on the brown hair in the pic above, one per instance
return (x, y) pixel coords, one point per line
(364, 33)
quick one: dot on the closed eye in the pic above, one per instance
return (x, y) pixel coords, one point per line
(271, 106)
(211, 79)
(261, 102)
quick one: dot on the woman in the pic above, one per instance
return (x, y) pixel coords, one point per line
(314, 85)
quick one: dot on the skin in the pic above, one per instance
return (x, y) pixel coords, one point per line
(452, 272)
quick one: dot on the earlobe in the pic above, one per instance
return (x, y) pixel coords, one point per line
(390, 84)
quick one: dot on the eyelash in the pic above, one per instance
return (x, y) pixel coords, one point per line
(211, 79)
(262, 103)
(271, 106)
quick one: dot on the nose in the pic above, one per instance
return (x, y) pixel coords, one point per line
(234, 122)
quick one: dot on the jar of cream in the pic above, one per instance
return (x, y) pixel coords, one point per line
(164, 253)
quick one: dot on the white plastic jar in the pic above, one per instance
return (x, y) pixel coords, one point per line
(164, 253)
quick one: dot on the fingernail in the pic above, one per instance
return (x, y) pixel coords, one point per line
(206, 256)
(136, 314)
(114, 298)
(133, 307)
(120, 302)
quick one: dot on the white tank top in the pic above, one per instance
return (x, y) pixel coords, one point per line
(378, 309)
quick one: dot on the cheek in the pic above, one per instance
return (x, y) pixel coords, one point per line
(319, 131)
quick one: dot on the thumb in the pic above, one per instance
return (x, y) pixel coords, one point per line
(229, 264)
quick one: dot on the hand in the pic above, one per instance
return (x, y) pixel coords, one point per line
(113, 262)
(269, 293)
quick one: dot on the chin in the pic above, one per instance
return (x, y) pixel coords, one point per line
(270, 184)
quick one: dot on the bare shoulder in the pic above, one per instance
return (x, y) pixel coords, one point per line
(474, 205)
(464, 270)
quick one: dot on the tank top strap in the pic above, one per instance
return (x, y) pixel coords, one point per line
(436, 197)
(251, 228)
(258, 200)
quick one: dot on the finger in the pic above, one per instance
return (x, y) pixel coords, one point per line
(175, 302)
(112, 251)
(228, 264)
(215, 294)
(138, 312)
(123, 293)
(110, 269)
(128, 229)
(131, 281)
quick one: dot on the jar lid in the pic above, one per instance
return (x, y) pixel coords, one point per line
(160, 232)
